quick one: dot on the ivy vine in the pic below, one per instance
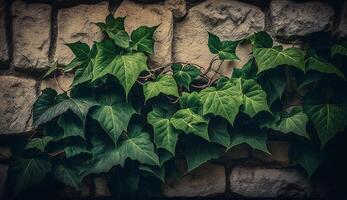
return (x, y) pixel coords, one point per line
(124, 119)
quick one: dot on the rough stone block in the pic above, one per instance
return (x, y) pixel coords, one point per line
(3, 42)
(31, 35)
(151, 15)
(5, 153)
(17, 96)
(230, 20)
(342, 28)
(59, 84)
(177, 7)
(207, 180)
(268, 182)
(3, 177)
(101, 187)
(299, 19)
(78, 24)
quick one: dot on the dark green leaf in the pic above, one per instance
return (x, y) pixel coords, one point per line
(218, 130)
(225, 50)
(184, 74)
(142, 39)
(166, 84)
(68, 175)
(317, 64)
(254, 138)
(39, 143)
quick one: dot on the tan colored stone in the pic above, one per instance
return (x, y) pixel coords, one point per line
(3, 42)
(61, 82)
(101, 187)
(299, 19)
(17, 96)
(3, 177)
(268, 182)
(206, 180)
(5, 153)
(31, 35)
(151, 15)
(230, 20)
(78, 24)
(177, 7)
(342, 28)
(278, 150)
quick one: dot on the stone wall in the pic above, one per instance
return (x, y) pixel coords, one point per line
(33, 34)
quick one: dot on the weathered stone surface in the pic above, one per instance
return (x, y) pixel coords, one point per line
(101, 187)
(59, 84)
(230, 20)
(342, 29)
(268, 182)
(3, 42)
(31, 35)
(78, 24)
(177, 7)
(17, 96)
(207, 180)
(71, 193)
(278, 150)
(151, 15)
(3, 177)
(5, 152)
(299, 19)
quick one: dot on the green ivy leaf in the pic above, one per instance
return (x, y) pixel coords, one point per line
(73, 151)
(190, 122)
(261, 40)
(165, 84)
(254, 138)
(81, 52)
(248, 71)
(293, 122)
(39, 143)
(125, 67)
(27, 172)
(113, 116)
(225, 50)
(224, 102)
(192, 101)
(142, 39)
(68, 175)
(158, 172)
(165, 135)
(317, 64)
(338, 49)
(72, 126)
(218, 130)
(115, 30)
(185, 74)
(51, 69)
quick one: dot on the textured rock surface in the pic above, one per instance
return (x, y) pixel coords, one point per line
(63, 81)
(227, 19)
(298, 19)
(207, 180)
(3, 43)
(177, 7)
(78, 24)
(151, 15)
(101, 187)
(5, 152)
(31, 35)
(267, 182)
(278, 150)
(17, 96)
(342, 29)
(3, 177)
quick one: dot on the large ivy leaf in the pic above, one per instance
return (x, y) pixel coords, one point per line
(113, 115)
(190, 122)
(165, 84)
(68, 175)
(198, 151)
(225, 50)
(317, 64)
(248, 70)
(253, 96)
(184, 74)
(71, 125)
(165, 135)
(27, 172)
(81, 52)
(218, 130)
(192, 101)
(293, 122)
(338, 49)
(142, 39)
(125, 67)
(254, 138)
(39, 143)
(114, 28)
(224, 102)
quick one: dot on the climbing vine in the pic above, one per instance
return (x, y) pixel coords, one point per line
(124, 119)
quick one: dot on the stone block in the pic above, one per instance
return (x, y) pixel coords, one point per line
(3, 39)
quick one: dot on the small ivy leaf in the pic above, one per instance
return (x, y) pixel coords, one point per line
(81, 52)
(23, 173)
(225, 50)
(184, 75)
(115, 24)
(72, 126)
(218, 130)
(253, 96)
(293, 122)
(190, 122)
(338, 49)
(125, 67)
(261, 40)
(155, 171)
(142, 39)
(164, 156)
(39, 143)
(317, 64)
(115, 30)
(120, 38)
(165, 84)
(52, 69)
(256, 139)
(73, 151)
(224, 102)
(192, 101)
(165, 135)
(68, 175)
(113, 116)
(198, 151)
(248, 71)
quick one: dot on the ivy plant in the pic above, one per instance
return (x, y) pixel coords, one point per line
(130, 121)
